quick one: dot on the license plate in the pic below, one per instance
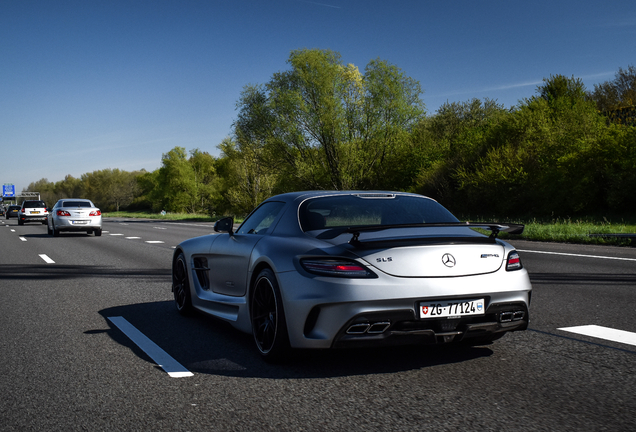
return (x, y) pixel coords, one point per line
(452, 308)
(79, 222)
(35, 212)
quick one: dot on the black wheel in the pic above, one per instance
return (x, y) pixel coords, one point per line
(268, 318)
(181, 286)
(98, 232)
(49, 231)
(56, 232)
(20, 222)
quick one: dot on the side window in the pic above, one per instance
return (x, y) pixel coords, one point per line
(262, 218)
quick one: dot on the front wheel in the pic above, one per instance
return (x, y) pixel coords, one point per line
(268, 318)
(181, 286)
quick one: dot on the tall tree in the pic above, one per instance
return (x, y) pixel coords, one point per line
(176, 181)
(325, 125)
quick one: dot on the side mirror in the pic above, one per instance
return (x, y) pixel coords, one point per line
(224, 225)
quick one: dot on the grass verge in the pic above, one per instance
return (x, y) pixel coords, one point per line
(599, 231)
(159, 216)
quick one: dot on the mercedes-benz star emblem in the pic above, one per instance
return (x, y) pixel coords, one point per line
(448, 260)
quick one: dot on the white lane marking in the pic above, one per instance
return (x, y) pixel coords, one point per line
(163, 360)
(154, 241)
(159, 228)
(133, 238)
(576, 255)
(620, 336)
(47, 259)
(116, 234)
(22, 238)
(12, 229)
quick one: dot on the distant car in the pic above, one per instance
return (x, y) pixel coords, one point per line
(2, 211)
(32, 211)
(75, 214)
(354, 269)
(12, 211)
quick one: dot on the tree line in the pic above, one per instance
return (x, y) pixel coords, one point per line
(324, 124)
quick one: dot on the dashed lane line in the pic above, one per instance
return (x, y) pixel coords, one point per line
(606, 333)
(22, 238)
(47, 259)
(163, 360)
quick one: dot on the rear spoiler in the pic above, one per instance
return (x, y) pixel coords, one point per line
(495, 229)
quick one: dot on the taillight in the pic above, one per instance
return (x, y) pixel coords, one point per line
(63, 213)
(95, 213)
(336, 268)
(514, 261)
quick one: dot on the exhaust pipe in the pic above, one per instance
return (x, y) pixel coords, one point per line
(369, 328)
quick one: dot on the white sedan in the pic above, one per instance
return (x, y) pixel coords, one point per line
(74, 214)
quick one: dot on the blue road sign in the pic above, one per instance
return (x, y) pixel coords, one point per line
(8, 191)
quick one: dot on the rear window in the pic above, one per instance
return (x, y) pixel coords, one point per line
(33, 204)
(371, 209)
(76, 204)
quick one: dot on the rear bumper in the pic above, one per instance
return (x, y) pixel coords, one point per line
(78, 224)
(32, 218)
(333, 313)
(402, 327)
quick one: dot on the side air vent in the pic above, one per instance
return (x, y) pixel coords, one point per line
(201, 269)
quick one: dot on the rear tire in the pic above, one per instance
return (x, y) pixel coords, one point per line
(56, 232)
(268, 318)
(181, 286)
(98, 232)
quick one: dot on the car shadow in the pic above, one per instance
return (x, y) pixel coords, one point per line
(206, 345)
(209, 346)
(10, 272)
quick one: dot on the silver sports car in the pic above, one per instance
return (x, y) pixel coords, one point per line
(350, 269)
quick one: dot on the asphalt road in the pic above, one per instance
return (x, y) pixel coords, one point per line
(64, 364)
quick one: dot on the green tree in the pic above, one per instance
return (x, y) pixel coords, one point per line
(246, 180)
(559, 88)
(176, 182)
(204, 181)
(617, 93)
(46, 190)
(322, 124)
(111, 189)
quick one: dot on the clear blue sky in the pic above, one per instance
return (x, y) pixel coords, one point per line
(94, 84)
